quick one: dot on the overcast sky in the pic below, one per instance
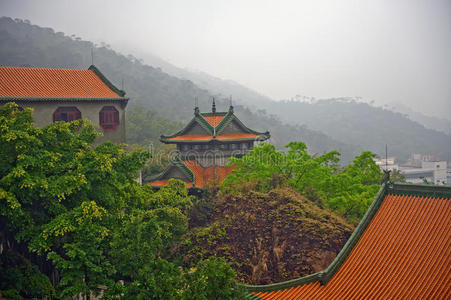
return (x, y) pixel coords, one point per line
(382, 50)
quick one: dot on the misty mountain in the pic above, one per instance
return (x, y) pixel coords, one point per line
(217, 86)
(24, 44)
(428, 121)
(352, 122)
(371, 127)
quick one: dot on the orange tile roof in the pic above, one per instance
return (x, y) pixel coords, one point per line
(164, 182)
(205, 176)
(42, 82)
(206, 137)
(238, 135)
(194, 137)
(213, 120)
(404, 253)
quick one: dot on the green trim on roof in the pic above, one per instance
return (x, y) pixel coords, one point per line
(159, 175)
(205, 124)
(325, 275)
(226, 120)
(330, 271)
(210, 114)
(197, 119)
(426, 190)
(164, 138)
(106, 81)
(230, 116)
(214, 131)
(179, 163)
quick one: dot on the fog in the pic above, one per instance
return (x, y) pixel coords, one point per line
(387, 51)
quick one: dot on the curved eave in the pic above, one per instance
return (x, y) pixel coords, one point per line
(105, 80)
(197, 119)
(259, 138)
(229, 117)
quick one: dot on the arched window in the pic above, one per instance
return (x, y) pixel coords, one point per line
(109, 118)
(66, 114)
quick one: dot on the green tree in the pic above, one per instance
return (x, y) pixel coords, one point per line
(79, 208)
(348, 191)
(212, 279)
(61, 196)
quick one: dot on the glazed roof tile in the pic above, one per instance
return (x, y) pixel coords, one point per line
(404, 253)
(214, 120)
(22, 82)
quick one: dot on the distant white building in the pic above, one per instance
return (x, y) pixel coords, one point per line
(419, 168)
(431, 171)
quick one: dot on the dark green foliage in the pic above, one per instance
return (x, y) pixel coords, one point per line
(80, 212)
(144, 127)
(201, 212)
(19, 278)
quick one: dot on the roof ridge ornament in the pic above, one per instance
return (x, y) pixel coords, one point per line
(231, 106)
(196, 106)
(213, 106)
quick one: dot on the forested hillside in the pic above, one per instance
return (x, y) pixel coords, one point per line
(24, 44)
(358, 123)
(439, 124)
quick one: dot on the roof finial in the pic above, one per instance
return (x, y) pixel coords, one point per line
(213, 106)
(196, 106)
(231, 106)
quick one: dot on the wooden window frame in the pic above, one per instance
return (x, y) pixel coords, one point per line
(109, 118)
(66, 114)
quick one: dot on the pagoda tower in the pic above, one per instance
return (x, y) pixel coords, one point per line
(204, 147)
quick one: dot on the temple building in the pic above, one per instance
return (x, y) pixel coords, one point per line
(67, 95)
(205, 146)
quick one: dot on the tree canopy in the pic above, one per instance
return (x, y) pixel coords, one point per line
(348, 190)
(76, 219)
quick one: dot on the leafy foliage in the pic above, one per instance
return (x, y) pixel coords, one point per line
(80, 212)
(348, 191)
(17, 274)
(144, 127)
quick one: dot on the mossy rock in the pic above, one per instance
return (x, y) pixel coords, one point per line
(269, 237)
